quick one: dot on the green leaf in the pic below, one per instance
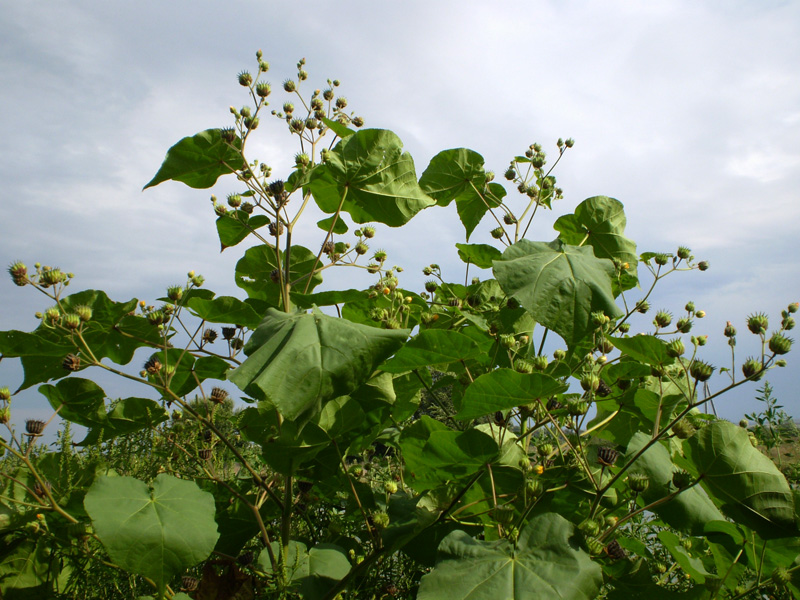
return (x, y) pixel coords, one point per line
(24, 564)
(432, 347)
(298, 362)
(341, 130)
(559, 285)
(127, 416)
(198, 161)
(155, 532)
(645, 348)
(600, 221)
(374, 176)
(747, 484)
(447, 456)
(254, 269)
(459, 175)
(688, 511)
(480, 255)
(225, 309)
(313, 571)
(503, 389)
(691, 564)
(78, 400)
(546, 563)
(236, 226)
(339, 227)
(111, 333)
(327, 298)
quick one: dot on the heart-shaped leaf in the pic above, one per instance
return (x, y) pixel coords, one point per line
(751, 489)
(297, 362)
(546, 563)
(558, 284)
(199, 160)
(370, 176)
(155, 532)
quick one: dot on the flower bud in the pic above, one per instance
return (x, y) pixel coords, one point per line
(72, 321)
(523, 366)
(642, 306)
(361, 248)
(661, 259)
(509, 219)
(289, 85)
(559, 354)
(683, 429)
(497, 233)
(358, 121)
(5, 394)
(757, 323)
(539, 363)
(701, 371)
(792, 308)
(19, 273)
(577, 408)
(684, 253)
(684, 325)
(730, 330)
(700, 314)
(779, 344)
(675, 348)
(245, 78)
(703, 265)
(681, 479)
(624, 327)
(590, 382)
(663, 319)
(638, 482)
(263, 89)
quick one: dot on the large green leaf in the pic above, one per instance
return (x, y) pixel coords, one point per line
(747, 484)
(446, 456)
(600, 221)
(254, 271)
(111, 333)
(199, 160)
(688, 511)
(503, 389)
(374, 176)
(459, 175)
(297, 362)
(560, 285)
(431, 348)
(645, 348)
(314, 570)
(546, 563)
(126, 416)
(155, 532)
(480, 255)
(78, 400)
(24, 564)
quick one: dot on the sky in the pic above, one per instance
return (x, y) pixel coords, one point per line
(688, 112)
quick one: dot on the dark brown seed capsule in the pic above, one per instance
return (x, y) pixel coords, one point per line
(71, 362)
(34, 426)
(205, 453)
(189, 583)
(615, 551)
(607, 456)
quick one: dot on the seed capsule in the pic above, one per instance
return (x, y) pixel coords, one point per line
(607, 456)
(34, 427)
(71, 362)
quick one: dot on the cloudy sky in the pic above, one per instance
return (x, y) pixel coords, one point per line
(686, 111)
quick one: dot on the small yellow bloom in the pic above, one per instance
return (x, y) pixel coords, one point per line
(538, 469)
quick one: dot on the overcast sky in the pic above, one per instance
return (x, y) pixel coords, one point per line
(687, 111)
